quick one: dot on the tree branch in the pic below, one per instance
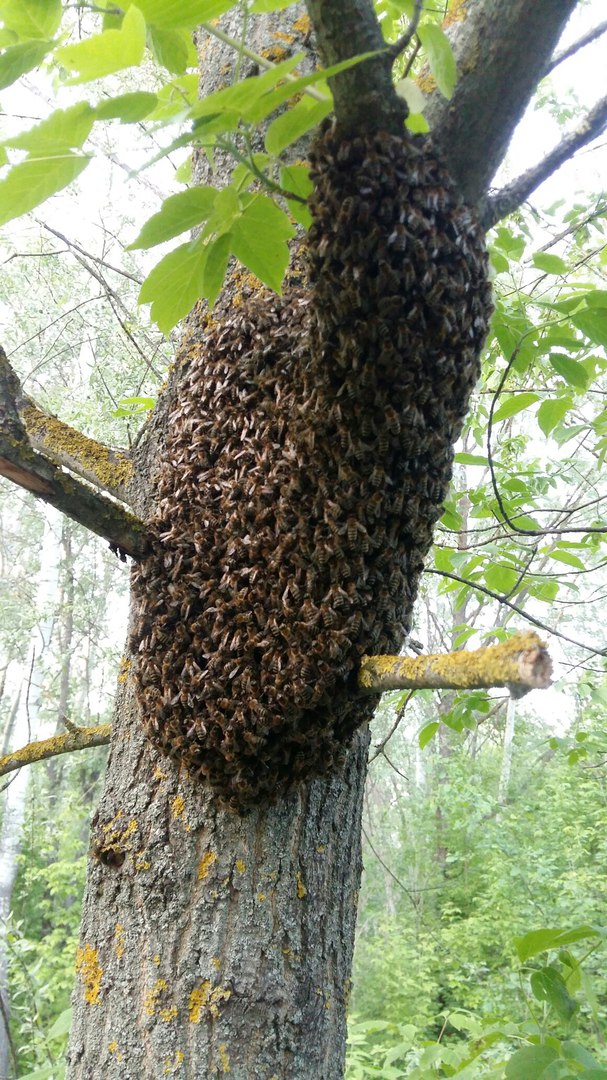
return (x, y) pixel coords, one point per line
(501, 49)
(20, 463)
(515, 193)
(521, 664)
(110, 470)
(364, 95)
(80, 739)
(586, 39)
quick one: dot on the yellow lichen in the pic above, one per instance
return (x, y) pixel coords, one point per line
(168, 1014)
(158, 774)
(139, 862)
(426, 81)
(301, 889)
(261, 897)
(151, 1000)
(216, 962)
(171, 1065)
(205, 864)
(224, 1058)
(156, 959)
(275, 53)
(125, 667)
(119, 940)
(321, 849)
(114, 1049)
(282, 36)
(303, 25)
(112, 469)
(178, 807)
(206, 998)
(240, 866)
(456, 13)
(90, 971)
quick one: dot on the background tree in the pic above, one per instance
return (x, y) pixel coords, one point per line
(231, 937)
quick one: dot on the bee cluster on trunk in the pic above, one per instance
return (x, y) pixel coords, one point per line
(307, 458)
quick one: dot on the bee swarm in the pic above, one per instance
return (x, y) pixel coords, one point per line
(307, 458)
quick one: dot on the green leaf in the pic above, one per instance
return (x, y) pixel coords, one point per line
(187, 14)
(18, 59)
(260, 240)
(550, 264)
(62, 1024)
(128, 108)
(292, 124)
(103, 54)
(218, 255)
(427, 733)
(175, 284)
(592, 323)
(32, 18)
(566, 557)
(570, 370)
(529, 1062)
(451, 519)
(547, 985)
(296, 178)
(539, 941)
(501, 578)
(36, 179)
(514, 405)
(551, 412)
(464, 458)
(178, 213)
(64, 129)
(411, 93)
(440, 57)
(170, 49)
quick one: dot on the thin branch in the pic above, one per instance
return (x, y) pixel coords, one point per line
(585, 39)
(80, 739)
(519, 610)
(380, 747)
(548, 530)
(511, 196)
(399, 46)
(28, 469)
(521, 663)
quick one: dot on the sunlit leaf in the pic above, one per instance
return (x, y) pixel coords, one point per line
(514, 405)
(592, 323)
(64, 129)
(36, 179)
(178, 213)
(552, 411)
(441, 60)
(38, 19)
(188, 14)
(128, 108)
(427, 733)
(18, 59)
(570, 370)
(260, 240)
(218, 254)
(102, 54)
(550, 264)
(175, 284)
(539, 941)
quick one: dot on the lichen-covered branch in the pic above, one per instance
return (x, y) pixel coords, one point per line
(23, 465)
(515, 193)
(80, 739)
(364, 95)
(110, 470)
(521, 664)
(501, 49)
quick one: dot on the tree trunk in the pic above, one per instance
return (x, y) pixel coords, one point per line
(220, 943)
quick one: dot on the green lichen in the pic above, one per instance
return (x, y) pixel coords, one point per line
(112, 469)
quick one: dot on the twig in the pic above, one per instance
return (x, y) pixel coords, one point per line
(81, 739)
(519, 610)
(399, 46)
(511, 196)
(585, 39)
(521, 663)
(379, 749)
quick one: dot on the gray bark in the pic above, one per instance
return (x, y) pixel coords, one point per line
(214, 944)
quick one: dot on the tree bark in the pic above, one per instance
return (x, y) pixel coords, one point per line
(214, 943)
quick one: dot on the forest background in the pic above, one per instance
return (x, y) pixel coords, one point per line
(484, 824)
